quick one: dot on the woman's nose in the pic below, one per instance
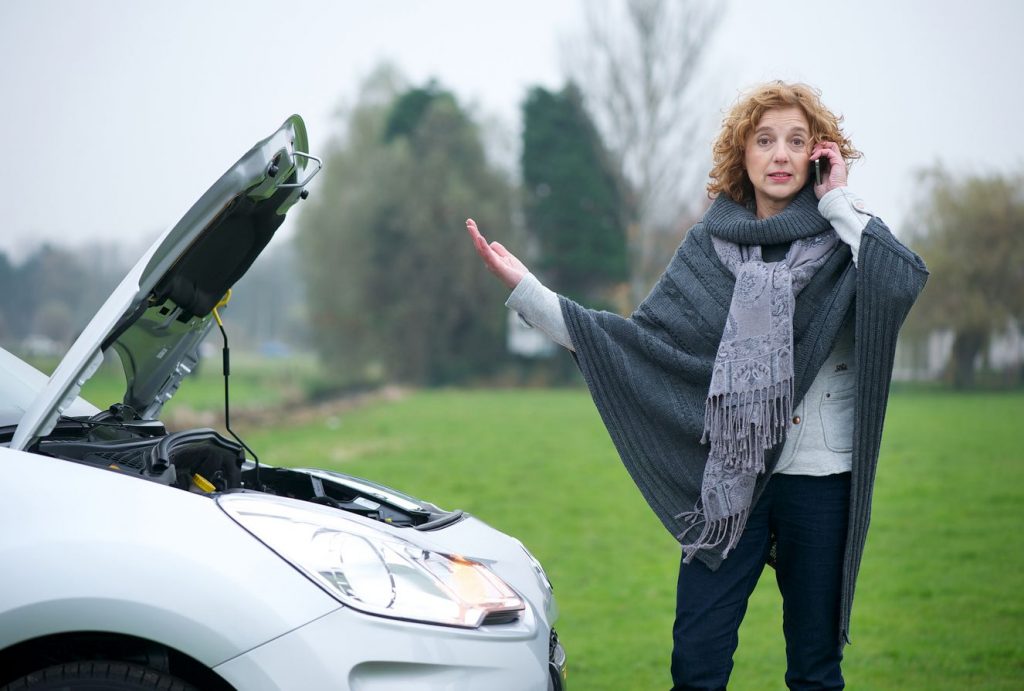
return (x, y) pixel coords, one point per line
(781, 153)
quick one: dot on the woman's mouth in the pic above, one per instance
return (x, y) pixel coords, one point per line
(780, 177)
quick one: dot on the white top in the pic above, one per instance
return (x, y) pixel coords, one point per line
(820, 438)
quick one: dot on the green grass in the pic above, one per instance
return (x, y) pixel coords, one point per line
(940, 600)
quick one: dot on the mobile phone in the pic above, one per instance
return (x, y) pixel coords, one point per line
(820, 168)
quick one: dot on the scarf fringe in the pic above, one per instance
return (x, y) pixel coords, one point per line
(741, 426)
(713, 533)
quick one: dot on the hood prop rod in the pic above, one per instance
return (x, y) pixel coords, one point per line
(227, 398)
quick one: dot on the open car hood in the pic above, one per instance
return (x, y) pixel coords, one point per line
(158, 315)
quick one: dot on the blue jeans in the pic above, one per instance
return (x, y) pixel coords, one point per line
(807, 517)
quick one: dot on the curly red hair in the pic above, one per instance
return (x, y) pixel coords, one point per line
(728, 174)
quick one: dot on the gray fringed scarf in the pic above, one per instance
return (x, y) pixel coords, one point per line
(750, 400)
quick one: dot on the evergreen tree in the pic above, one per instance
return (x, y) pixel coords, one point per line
(574, 201)
(408, 110)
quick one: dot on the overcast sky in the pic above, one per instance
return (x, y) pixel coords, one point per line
(117, 114)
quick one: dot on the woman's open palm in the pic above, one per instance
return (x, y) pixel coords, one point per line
(499, 260)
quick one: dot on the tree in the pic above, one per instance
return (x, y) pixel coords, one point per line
(970, 232)
(573, 200)
(395, 289)
(53, 292)
(410, 108)
(49, 277)
(637, 66)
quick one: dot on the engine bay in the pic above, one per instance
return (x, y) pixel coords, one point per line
(205, 462)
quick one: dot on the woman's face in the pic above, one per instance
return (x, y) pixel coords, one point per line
(776, 158)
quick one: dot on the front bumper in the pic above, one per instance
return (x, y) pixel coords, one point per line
(350, 650)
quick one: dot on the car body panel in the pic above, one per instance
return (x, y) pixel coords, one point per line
(98, 551)
(367, 653)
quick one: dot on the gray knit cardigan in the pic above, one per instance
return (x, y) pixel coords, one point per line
(649, 374)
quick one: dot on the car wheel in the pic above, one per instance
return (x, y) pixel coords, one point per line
(97, 676)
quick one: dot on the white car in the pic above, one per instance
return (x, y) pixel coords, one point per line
(135, 558)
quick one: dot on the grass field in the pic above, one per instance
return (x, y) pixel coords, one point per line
(940, 602)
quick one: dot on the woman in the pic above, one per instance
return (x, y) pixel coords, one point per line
(746, 394)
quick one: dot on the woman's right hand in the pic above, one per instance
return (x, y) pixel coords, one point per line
(499, 260)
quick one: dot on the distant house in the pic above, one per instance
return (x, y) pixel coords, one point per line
(526, 341)
(36, 345)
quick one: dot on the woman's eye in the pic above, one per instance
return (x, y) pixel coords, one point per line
(798, 142)
(763, 141)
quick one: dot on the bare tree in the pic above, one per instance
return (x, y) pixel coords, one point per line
(637, 64)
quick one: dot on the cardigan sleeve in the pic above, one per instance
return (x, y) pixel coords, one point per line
(848, 215)
(889, 279)
(538, 307)
(893, 270)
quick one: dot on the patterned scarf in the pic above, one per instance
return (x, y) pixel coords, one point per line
(750, 400)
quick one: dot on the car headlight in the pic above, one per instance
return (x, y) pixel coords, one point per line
(373, 571)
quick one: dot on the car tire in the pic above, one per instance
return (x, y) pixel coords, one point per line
(98, 676)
